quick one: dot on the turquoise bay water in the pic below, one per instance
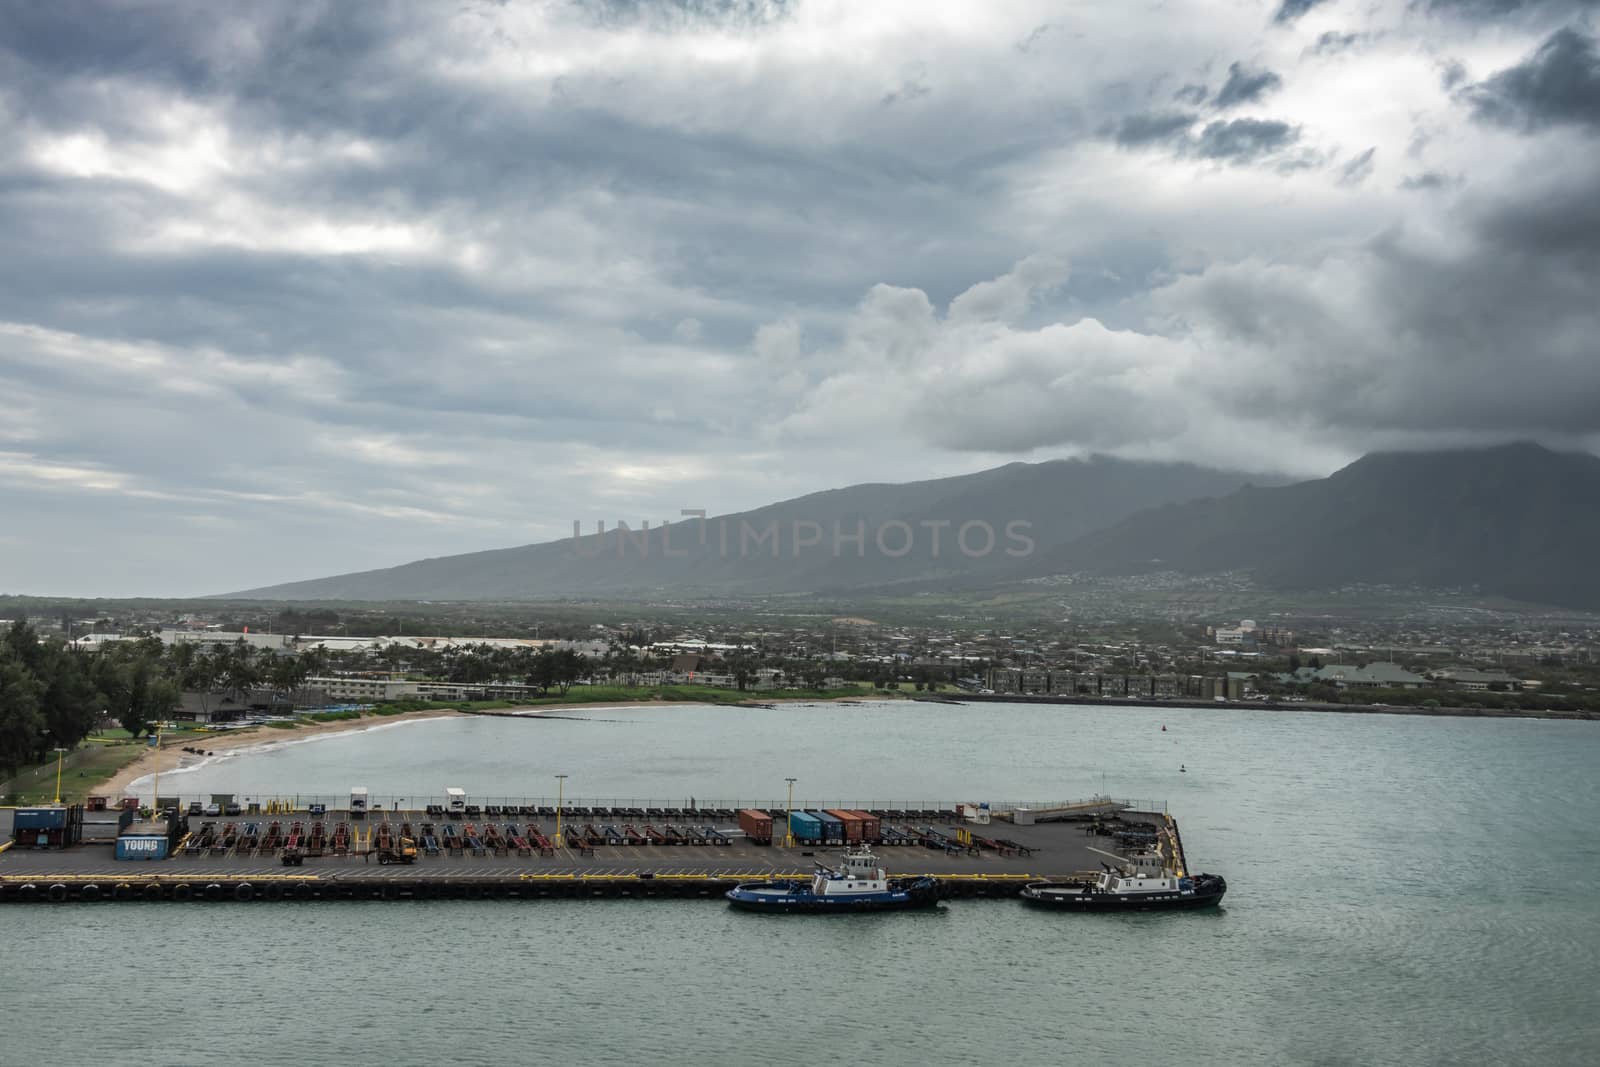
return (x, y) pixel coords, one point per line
(1401, 890)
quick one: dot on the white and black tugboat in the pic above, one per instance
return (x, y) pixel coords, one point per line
(1142, 882)
(860, 884)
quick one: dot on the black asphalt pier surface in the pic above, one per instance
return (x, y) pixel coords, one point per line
(996, 862)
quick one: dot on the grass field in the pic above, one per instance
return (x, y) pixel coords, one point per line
(82, 770)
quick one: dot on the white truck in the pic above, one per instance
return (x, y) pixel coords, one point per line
(455, 802)
(358, 802)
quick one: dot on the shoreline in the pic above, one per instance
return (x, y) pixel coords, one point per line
(1262, 705)
(118, 784)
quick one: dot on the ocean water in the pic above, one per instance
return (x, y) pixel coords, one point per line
(1401, 890)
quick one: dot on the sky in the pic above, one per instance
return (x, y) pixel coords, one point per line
(290, 289)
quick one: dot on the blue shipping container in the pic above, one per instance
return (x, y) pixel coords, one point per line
(139, 847)
(832, 826)
(806, 827)
(40, 819)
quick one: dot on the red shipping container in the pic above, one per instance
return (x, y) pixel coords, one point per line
(757, 825)
(852, 825)
(871, 827)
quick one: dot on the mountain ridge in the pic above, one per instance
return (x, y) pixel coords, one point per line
(1518, 520)
(1061, 499)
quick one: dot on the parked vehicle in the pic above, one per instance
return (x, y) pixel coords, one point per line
(402, 851)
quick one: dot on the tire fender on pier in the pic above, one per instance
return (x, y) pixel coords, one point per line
(243, 892)
(154, 892)
(58, 892)
(122, 891)
(182, 891)
(89, 892)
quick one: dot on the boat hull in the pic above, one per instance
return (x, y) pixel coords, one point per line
(1054, 898)
(781, 899)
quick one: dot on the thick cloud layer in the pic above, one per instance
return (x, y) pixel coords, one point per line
(1289, 10)
(299, 288)
(1560, 83)
(1246, 85)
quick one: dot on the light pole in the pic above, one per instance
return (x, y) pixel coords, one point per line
(561, 781)
(60, 754)
(155, 786)
(788, 814)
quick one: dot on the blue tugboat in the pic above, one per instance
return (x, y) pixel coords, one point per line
(1134, 883)
(860, 884)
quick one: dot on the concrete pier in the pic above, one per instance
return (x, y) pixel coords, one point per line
(975, 866)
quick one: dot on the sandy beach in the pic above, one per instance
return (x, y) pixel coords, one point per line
(173, 757)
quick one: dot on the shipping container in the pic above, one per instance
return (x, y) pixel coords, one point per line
(757, 825)
(805, 826)
(142, 847)
(852, 824)
(47, 826)
(871, 827)
(46, 818)
(832, 827)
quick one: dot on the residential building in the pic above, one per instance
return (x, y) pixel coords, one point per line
(1372, 676)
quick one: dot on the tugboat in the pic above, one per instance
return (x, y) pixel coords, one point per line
(1135, 883)
(860, 884)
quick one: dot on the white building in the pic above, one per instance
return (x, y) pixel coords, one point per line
(366, 690)
(208, 638)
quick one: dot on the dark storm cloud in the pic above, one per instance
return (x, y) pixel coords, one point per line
(1332, 43)
(1244, 140)
(1192, 94)
(1558, 84)
(1358, 169)
(1153, 127)
(1431, 179)
(678, 13)
(71, 36)
(1495, 330)
(1290, 10)
(1494, 9)
(1559, 229)
(1231, 140)
(500, 152)
(1245, 85)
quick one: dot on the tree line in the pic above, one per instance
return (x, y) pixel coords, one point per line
(53, 695)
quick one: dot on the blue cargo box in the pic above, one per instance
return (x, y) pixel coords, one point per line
(39, 819)
(806, 827)
(832, 826)
(139, 847)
